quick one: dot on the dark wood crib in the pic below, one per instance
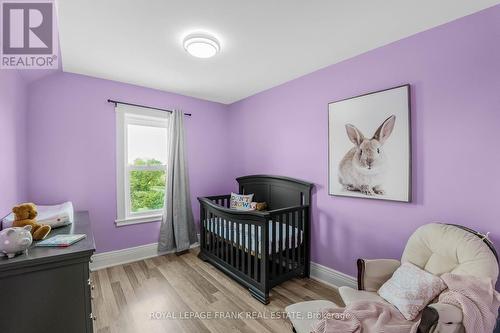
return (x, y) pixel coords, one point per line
(259, 249)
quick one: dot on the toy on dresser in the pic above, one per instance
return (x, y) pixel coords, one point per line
(25, 214)
(15, 240)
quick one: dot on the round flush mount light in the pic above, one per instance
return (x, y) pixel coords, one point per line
(201, 46)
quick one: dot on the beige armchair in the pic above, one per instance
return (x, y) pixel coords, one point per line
(437, 248)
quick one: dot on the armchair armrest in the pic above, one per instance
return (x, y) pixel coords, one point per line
(441, 317)
(447, 313)
(373, 273)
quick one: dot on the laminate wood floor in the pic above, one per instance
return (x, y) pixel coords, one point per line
(184, 294)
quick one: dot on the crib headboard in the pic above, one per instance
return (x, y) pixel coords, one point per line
(277, 191)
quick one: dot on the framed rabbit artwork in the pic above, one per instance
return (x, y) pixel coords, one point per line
(369, 145)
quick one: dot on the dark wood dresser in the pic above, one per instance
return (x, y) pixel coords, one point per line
(49, 289)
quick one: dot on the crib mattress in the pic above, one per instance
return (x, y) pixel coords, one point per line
(220, 226)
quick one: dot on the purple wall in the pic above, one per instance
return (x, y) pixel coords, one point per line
(12, 140)
(454, 71)
(72, 149)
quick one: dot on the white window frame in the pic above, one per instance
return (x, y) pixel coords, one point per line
(133, 115)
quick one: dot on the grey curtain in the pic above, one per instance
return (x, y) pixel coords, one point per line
(177, 230)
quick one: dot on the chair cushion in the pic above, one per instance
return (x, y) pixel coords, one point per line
(304, 314)
(440, 248)
(350, 295)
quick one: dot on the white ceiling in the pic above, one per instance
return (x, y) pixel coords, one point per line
(264, 42)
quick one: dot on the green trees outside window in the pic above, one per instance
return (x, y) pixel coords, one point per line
(147, 187)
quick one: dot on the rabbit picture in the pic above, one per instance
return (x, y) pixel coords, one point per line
(364, 166)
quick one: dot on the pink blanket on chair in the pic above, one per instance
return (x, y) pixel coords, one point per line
(477, 298)
(364, 316)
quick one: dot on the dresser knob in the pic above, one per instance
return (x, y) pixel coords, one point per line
(92, 287)
(93, 317)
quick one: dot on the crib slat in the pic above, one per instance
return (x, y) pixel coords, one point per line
(214, 232)
(273, 248)
(299, 238)
(238, 266)
(243, 248)
(217, 235)
(207, 231)
(280, 225)
(211, 236)
(302, 228)
(202, 229)
(294, 219)
(214, 238)
(306, 228)
(256, 251)
(228, 242)
(231, 243)
(249, 250)
(222, 238)
(287, 242)
(221, 233)
(225, 229)
(235, 244)
(279, 240)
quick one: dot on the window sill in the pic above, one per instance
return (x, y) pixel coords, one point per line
(138, 220)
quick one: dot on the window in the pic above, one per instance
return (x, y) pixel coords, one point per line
(141, 141)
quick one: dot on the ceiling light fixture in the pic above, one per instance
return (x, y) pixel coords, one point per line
(201, 46)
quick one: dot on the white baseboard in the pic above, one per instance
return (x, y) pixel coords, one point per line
(108, 259)
(332, 277)
(125, 256)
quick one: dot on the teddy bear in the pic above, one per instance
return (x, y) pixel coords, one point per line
(261, 206)
(25, 214)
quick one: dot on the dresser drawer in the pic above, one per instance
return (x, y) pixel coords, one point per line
(48, 299)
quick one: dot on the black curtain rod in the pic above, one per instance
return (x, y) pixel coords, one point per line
(143, 106)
